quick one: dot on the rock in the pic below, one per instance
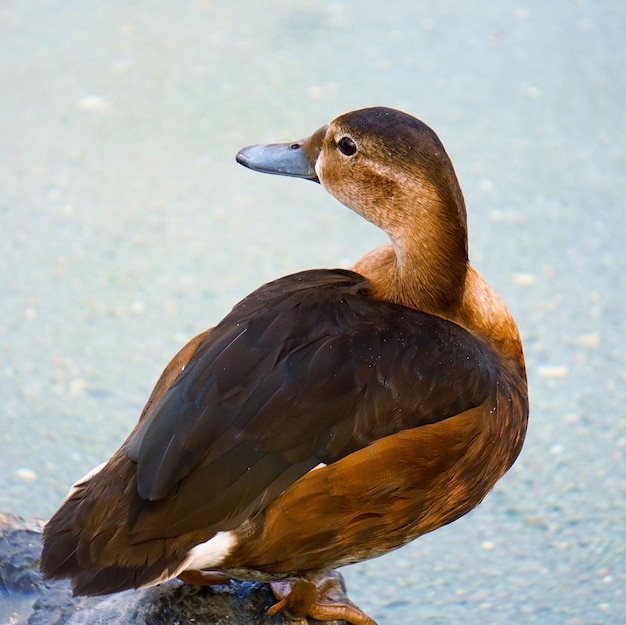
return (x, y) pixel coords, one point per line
(30, 600)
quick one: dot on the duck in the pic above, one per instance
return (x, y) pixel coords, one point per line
(332, 416)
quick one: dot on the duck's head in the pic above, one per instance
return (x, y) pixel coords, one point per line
(392, 169)
(369, 159)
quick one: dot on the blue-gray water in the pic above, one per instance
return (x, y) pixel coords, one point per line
(126, 228)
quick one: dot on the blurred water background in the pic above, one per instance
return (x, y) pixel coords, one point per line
(126, 228)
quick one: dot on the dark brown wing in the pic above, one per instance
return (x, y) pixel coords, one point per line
(306, 369)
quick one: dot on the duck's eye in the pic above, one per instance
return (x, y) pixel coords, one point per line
(347, 146)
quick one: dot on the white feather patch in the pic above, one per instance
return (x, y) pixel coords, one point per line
(210, 554)
(206, 555)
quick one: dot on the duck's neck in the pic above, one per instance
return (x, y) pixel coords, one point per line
(406, 272)
(425, 267)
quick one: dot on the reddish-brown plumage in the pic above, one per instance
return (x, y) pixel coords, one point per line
(333, 415)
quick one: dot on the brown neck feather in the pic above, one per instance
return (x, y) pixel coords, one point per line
(426, 265)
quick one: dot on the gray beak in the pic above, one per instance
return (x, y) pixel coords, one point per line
(295, 159)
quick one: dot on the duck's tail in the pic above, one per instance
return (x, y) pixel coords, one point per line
(87, 540)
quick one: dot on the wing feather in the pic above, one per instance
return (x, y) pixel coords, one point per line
(306, 369)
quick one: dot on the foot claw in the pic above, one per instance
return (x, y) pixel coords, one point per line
(324, 600)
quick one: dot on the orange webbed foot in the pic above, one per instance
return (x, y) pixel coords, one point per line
(324, 600)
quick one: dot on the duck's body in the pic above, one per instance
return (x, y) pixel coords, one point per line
(333, 415)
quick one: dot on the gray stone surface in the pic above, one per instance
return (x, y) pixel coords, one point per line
(27, 599)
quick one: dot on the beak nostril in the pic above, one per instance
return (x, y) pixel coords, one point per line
(295, 146)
